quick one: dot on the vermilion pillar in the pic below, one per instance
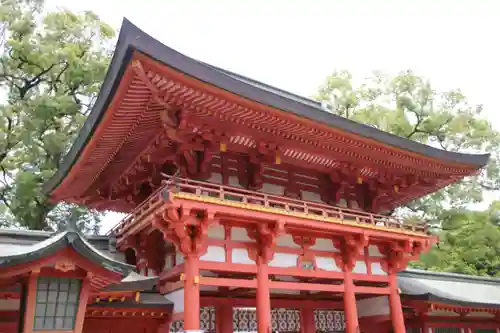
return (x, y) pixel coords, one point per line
(307, 323)
(350, 309)
(224, 318)
(263, 297)
(191, 293)
(398, 320)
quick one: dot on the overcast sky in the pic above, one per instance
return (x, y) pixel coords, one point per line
(295, 44)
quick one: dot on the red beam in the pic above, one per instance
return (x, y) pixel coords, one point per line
(227, 267)
(168, 287)
(275, 303)
(225, 282)
(371, 290)
(173, 273)
(306, 286)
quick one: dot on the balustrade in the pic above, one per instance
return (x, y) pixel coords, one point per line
(281, 203)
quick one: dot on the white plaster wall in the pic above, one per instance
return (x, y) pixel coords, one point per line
(9, 304)
(360, 267)
(311, 196)
(286, 240)
(377, 269)
(354, 205)
(234, 181)
(327, 264)
(179, 258)
(216, 232)
(272, 189)
(215, 178)
(323, 244)
(375, 306)
(240, 256)
(214, 253)
(342, 203)
(240, 235)
(284, 260)
(177, 297)
(168, 262)
(373, 251)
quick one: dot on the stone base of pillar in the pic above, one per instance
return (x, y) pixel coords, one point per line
(194, 331)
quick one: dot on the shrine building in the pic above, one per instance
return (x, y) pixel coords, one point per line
(248, 209)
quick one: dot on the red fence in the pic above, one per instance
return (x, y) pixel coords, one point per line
(230, 193)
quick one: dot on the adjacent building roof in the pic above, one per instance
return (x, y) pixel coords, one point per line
(133, 39)
(147, 300)
(16, 254)
(449, 288)
(134, 282)
(444, 288)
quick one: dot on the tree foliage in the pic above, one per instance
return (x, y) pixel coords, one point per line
(469, 243)
(51, 68)
(406, 105)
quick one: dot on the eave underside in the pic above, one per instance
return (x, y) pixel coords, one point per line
(132, 130)
(133, 140)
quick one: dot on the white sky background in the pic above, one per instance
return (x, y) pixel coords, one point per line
(295, 44)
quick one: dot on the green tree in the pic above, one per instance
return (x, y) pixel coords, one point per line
(469, 243)
(406, 105)
(51, 68)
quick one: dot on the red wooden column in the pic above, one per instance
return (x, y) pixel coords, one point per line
(224, 318)
(263, 297)
(350, 308)
(398, 320)
(189, 232)
(265, 236)
(29, 314)
(351, 249)
(307, 323)
(191, 292)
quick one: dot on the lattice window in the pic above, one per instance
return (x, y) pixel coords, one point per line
(207, 319)
(244, 320)
(282, 320)
(56, 303)
(285, 320)
(329, 321)
(177, 326)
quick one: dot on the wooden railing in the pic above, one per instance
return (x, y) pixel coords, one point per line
(234, 194)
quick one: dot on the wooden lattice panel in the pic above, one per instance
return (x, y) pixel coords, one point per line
(285, 320)
(329, 321)
(244, 320)
(177, 326)
(282, 320)
(207, 321)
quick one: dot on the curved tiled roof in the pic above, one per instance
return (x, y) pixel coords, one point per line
(18, 255)
(133, 39)
(449, 288)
